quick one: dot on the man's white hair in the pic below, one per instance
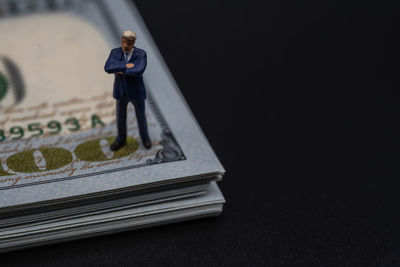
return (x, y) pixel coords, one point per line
(130, 35)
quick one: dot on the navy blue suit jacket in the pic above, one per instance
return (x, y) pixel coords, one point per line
(132, 80)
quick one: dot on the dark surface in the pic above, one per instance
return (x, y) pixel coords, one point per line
(300, 102)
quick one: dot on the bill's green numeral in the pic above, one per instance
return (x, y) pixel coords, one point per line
(3, 172)
(24, 161)
(54, 125)
(92, 151)
(17, 130)
(35, 127)
(2, 136)
(56, 157)
(74, 122)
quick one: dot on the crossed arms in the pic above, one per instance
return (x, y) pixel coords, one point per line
(122, 68)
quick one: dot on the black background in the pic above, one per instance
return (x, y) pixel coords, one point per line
(299, 101)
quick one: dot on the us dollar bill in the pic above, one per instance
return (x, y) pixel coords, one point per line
(57, 113)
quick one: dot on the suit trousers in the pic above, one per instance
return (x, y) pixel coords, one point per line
(140, 115)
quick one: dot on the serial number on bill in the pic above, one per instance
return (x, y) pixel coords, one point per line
(36, 129)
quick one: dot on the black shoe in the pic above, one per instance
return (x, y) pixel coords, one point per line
(116, 145)
(147, 143)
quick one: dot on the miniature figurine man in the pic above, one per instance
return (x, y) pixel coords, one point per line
(128, 64)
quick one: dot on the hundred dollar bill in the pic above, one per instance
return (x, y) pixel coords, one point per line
(35, 234)
(57, 113)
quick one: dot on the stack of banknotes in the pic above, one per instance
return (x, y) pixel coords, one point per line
(59, 180)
